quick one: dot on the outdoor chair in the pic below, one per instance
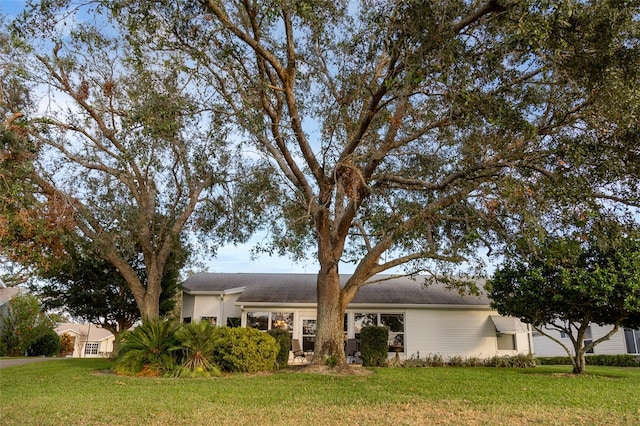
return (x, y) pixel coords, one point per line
(352, 350)
(297, 350)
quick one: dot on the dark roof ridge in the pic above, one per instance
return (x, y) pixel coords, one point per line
(285, 288)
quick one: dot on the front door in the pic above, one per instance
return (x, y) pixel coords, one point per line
(308, 333)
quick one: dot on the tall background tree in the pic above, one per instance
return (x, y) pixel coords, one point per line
(28, 229)
(567, 283)
(411, 134)
(22, 325)
(122, 155)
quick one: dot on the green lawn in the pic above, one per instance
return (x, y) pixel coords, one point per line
(79, 392)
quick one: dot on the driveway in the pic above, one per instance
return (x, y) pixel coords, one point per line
(10, 362)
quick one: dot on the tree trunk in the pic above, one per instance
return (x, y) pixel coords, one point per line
(329, 337)
(579, 350)
(150, 304)
(579, 362)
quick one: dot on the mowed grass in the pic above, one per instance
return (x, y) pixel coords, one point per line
(81, 392)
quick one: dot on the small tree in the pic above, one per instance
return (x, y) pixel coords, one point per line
(48, 344)
(568, 283)
(22, 325)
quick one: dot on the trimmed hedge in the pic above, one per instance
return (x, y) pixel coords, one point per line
(283, 337)
(374, 346)
(244, 350)
(603, 360)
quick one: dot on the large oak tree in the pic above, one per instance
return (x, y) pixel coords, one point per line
(121, 155)
(413, 133)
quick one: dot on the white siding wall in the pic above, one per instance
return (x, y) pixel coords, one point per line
(207, 306)
(188, 302)
(450, 332)
(543, 346)
(523, 342)
(200, 306)
(229, 308)
(447, 332)
(105, 346)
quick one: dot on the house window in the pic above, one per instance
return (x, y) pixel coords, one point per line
(632, 340)
(212, 320)
(588, 338)
(506, 342)
(308, 334)
(259, 320)
(394, 322)
(186, 320)
(363, 320)
(91, 348)
(282, 321)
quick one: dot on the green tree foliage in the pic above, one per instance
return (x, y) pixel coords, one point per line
(412, 134)
(22, 325)
(569, 283)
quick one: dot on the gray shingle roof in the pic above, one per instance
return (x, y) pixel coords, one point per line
(301, 288)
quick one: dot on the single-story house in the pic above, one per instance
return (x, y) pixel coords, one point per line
(624, 341)
(89, 340)
(421, 320)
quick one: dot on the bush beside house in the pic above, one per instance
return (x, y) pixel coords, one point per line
(374, 345)
(164, 348)
(283, 338)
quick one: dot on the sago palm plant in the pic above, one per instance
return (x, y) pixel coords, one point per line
(198, 341)
(148, 350)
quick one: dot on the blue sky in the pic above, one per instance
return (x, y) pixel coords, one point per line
(11, 7)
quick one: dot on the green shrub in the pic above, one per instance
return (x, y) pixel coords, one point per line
(374, 345)
(331, 361)
(197, 340)
(614, 360)
(434, 360)
(554, 360)
(47, 345)
(516, 361)
(604, 360)
(244, 350)
(283, 337)
(149, 349)
(462, 361)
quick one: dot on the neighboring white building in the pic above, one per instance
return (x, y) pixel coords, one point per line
(421, 320)
(6, 294)
(624, 341)
(89, 340)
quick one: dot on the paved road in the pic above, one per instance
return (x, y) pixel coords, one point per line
(10, 362)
